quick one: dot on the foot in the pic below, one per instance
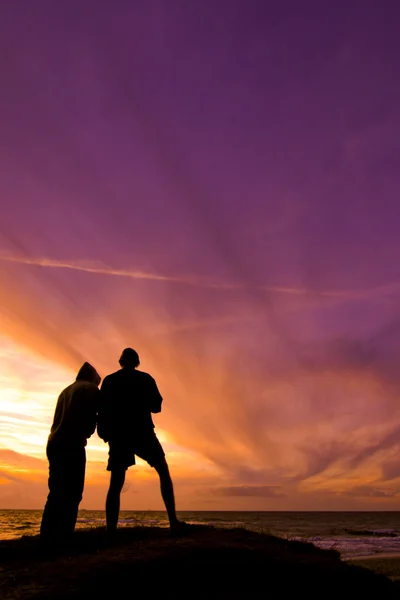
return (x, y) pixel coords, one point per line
(179, 527)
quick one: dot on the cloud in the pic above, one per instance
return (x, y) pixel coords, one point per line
(22, 417)
(385, 442)
(264, 491)
(12, 458)
(390, 469)
(374, 351)
(366, 491)
(103, 270)
(321, 455)
(202, 282)
(6, 475)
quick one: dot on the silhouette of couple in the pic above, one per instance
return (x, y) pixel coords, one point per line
(121, 409)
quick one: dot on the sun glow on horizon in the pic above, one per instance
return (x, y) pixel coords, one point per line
(27, 412)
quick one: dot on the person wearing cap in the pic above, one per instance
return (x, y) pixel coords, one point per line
(74, 422)
(127, 399)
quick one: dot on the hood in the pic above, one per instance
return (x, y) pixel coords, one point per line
(88, 373)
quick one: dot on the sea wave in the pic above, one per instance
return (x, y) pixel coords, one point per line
(352, 534)
(374, 532)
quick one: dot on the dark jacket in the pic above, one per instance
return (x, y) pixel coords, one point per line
(127, 399)
(75, 414)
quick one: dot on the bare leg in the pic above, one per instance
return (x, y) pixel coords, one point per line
(117, 481)
(167, 491)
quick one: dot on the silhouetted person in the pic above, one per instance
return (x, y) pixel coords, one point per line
(127, 399)
(74, 421)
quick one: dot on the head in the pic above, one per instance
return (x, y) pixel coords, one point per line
(129, 359)
(88, 373)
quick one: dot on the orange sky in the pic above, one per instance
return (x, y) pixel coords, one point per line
(228, 448)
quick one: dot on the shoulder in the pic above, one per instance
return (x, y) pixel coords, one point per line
(67, 390)
(112, 377)
(86, 386)
(70, 390)
(145, 376)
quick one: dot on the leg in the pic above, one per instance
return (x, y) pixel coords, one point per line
(66, 481)
(167, 490)
(50, 525)
(149, 449)
(117, 481)
(75, 481)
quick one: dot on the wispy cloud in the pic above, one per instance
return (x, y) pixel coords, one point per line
(264, 491)
(371, 492)
(196, 281)
(96, 268)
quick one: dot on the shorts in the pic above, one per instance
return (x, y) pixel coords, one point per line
(122, 455)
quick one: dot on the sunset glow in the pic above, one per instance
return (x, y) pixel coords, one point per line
(221, 193)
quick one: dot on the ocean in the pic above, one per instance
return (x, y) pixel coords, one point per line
(353, 534)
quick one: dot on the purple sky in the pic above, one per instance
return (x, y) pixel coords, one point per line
(230, 171)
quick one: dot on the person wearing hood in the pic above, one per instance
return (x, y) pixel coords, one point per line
(74, 422)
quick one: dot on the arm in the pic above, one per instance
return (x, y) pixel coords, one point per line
(103, 416)
(155, 398)
(91, 406)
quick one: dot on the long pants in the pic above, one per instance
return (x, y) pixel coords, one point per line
(66, 481)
